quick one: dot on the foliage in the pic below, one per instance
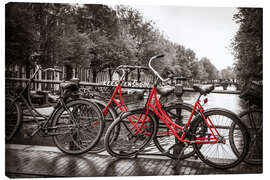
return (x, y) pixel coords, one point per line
(247, 44)
(21, 39)
(227, 73)
(209, 68)
(95, 36)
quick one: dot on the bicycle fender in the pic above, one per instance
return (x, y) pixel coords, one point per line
(222, 109)
(60, 107)
(102, 103)
(217, 109)
(181, 103)
(234, 115)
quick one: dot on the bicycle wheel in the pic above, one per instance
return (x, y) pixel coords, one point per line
(253, 121)
(221, 154)
(78, 128)
(136, 131)
(109, 118)
(165, 140)
(13, 117)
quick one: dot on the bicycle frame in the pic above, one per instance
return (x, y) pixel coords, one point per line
(173, 126)
(121, 106)
(118, 90)
(25, 96)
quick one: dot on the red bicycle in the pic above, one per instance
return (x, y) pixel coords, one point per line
(116, 105)
(208, 131)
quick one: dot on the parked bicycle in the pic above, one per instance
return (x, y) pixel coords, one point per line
(112, 106)
(116, 105)
(208, 131)
(75, 124)
(253, 119)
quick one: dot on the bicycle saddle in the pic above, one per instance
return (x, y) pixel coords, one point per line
(204, 91)
(165, 90)
(69, 86)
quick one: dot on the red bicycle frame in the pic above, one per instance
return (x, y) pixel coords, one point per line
(173, 126)
(122, 107)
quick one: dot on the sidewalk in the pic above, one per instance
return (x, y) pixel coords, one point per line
(45, 161)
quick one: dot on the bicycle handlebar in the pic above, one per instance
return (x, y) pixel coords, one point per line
(132, 67)
(157, 74)
(154, 71)
(52, 69)
(47, 69)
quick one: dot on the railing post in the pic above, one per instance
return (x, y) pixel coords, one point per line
(178, 92)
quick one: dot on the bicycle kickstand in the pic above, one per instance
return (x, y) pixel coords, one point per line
(180, 154)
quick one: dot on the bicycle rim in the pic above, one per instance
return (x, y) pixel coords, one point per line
(12, 118)
(79, 131)
(221, 155)
(132, 138)
(253, 122)
(165, 140)
(108, 120)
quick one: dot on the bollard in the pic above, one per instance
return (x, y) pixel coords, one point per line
(178, 92)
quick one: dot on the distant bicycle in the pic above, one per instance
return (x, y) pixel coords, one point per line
(75, 124)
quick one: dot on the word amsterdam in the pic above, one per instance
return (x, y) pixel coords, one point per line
(133, 84)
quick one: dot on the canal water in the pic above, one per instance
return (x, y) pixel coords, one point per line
(231, 102)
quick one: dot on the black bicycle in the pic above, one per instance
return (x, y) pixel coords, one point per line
(75, 124)
(253, 120)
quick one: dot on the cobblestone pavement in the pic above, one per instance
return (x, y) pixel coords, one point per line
(29, 161)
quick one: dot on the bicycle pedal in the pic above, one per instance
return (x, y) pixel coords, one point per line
(30, 132)
(195, 156)
(27, 133)
(34, 132)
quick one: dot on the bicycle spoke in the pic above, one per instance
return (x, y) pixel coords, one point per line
(222, 154)
(84, 134)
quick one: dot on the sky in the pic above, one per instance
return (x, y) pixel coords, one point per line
(208, 31)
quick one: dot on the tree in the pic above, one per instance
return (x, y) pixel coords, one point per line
(185, 61)
(73, 47)
(21, 37)
(227, 73)
(51, 22)
(247, 44)
(209, 68)
(107, 49)
(140, 33)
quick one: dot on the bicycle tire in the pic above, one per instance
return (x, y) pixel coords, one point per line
(127, 144)
(73, 133)
(228, 159)
(165, 142)
(254, 127)
(108, 119)
(13, 118)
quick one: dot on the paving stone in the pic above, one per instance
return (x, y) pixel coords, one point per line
(39, 163)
